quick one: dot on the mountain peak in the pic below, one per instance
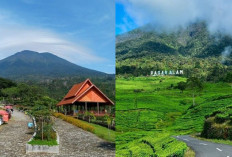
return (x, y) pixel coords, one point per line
(27, 52)
(27, 64)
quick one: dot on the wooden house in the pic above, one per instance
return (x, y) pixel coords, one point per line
(85, 97)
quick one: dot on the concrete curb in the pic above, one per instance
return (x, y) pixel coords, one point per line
(43, 148)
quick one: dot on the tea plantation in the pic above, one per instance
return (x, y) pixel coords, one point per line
(150, 110)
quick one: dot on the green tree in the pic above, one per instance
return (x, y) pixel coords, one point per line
(90, 116)
(109, 122)
(41, 110)
(229, 78)
(195, 85)
(181, 86)
(11, 94)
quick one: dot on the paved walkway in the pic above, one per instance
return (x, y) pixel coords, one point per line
(14, 135)
(78, 143)
(74, 142)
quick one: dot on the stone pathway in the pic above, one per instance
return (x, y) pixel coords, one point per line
(78, 143)
(74, 142)
(14, 135)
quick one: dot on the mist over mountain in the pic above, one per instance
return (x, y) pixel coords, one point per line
(193, 48)
(29, 65)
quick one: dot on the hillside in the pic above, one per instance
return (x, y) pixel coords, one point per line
(193, 49)
(151, 109)
(30, 65)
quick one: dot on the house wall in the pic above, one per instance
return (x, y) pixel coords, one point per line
(93, 96)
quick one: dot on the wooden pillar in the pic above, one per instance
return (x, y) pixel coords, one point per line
(109, 108)
(86, 107)
(64, 109)
(98, 108)
(74, 108)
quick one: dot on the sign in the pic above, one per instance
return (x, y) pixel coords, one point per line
(167, 72)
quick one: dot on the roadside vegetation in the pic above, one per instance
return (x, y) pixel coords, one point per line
(189, 153)
(100, 131)
(228, 142)
(218, 125)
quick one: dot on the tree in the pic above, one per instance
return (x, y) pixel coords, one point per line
(195, 85)
(11, 94)
(41, 110)
(43, 117)
(90, 116)
(109, 122)
(229, 78)
(181, 86)
(4, 83)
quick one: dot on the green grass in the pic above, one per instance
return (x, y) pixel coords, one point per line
(228, 142)
(148, 106)
(189, 153)
(103, 132)
(43, 142)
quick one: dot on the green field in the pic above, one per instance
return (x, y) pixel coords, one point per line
(150, 111)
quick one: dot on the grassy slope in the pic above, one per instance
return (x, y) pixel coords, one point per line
(161, 111)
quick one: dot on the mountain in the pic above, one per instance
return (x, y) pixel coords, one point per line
(194, 49)
(29, 65)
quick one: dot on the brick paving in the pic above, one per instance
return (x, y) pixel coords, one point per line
(74, 142)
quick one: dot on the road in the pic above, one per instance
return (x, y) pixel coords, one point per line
(205, 148)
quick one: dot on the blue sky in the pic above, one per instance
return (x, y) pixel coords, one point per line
(124, 22)
(81, 31)
(169, 15)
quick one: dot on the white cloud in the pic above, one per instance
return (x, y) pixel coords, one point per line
(126, 26)
(17, 38)
(170, 14)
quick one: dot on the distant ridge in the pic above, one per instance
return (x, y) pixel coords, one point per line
(194, 49)
(27, 65)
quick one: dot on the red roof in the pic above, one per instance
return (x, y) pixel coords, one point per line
(85, 92)
(72, 92)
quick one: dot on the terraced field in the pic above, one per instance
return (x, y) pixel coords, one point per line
(150, 110)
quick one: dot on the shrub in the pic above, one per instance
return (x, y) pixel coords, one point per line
(183, 102)
(220, 118)
(207, 127)
(75, 122)
(48, 135)
(218, 127)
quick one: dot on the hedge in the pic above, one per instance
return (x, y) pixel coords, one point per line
(75, 122)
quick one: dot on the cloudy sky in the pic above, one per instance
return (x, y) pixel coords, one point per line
(80, 31)
(171, 14)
